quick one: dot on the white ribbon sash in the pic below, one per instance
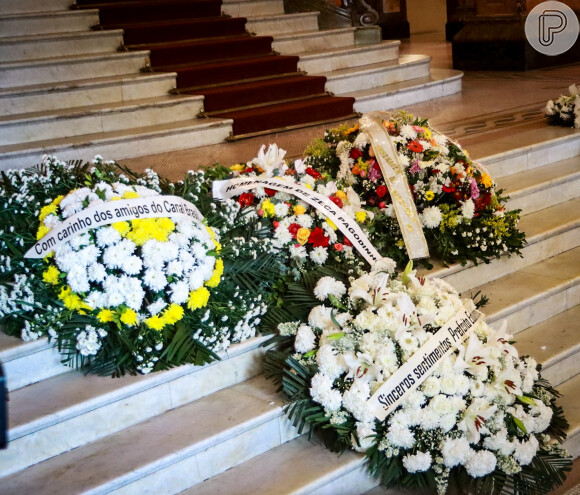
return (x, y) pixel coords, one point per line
(424, 361)
(396, 180)
(112, 212)
(348, 226)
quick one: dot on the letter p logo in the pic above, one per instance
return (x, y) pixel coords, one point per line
(551, 22)
(552, 28)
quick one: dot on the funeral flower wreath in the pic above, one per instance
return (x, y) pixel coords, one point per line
(135, 295)
(484, 418)
(565, 110)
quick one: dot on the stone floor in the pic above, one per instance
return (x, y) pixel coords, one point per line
(489, 101)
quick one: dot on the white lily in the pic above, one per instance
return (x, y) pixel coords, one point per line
(271, 162)
(475, 417)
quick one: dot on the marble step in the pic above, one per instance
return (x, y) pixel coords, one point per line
(168, 453)
(39, 46)
(556, 344)
(571, 406)
(252, 8)
(407, 67)
(301, 467)
(60, 413)
(276, 24)
(121, 144)
(546, 186)
(60, 69)
(95, 91)
(304, 41)
(341, 58)
(535, 293)
(440, 82)
(28, 362)
(526, 150)
(18, 6)
(59, 21)
(79, 121)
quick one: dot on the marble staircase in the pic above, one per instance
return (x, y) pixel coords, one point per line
(220, 429)
(66, 89)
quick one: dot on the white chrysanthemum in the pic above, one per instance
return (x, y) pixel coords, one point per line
(401, 437)
(431, 217)
(408, 132)
(468, 208)
(366, 436)
(456, 451)
(319, 255)
(281, 209)
(329, 286)
(155, 279)
(526, 450)
(355, 398)
(431, 386)
(419, 462)
(499, 442)
(132, 265)
(298, 251)
(156, 307)
(304, 220)
(329, 363)
(305, 339)
(179, 292)
(481, 463)
(322, 392)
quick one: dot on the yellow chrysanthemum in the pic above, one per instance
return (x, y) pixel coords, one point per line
(217, 245)
(210, 232)
(198, 298)
(155, 322)
(238, 167)
(116, 198)
(485, 180)
(51, 275)
(130, 195)
(42, 231)
(309, 187)
(299, 210)
(129, 317)
(74, 302)
(268, 208)
(121, 227)
(340, 195)
(166, 224)
(47, 210)
(429, 195)
(105, 315)
(331, 223)
(173, 314)
(64, 292)
(360, 216)
(217, 274)
(427, 133)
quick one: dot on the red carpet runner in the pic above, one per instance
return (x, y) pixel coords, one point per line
(213, 55)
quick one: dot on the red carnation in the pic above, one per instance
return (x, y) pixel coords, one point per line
(269, 192)
(246, 199)
(275, 223)
(313, 173)
(355, 153)
(336, 200)
(347, 241)
(248, 170)
(415, 146)
(381, 191)
(317, 238)
(448, 189)
(293, 229)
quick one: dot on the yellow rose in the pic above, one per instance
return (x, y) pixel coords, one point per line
(302, 235)
(340, 195)
(299, 210)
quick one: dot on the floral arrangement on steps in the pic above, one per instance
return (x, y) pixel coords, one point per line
(463, 215)
(130, 296)
(484, 421)
(565, 110)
